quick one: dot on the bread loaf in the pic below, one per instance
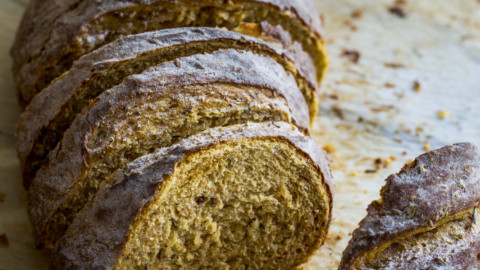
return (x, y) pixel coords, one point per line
(44, 121)
(53, 34)
(426, 217)
(255, 196)
(151, 110)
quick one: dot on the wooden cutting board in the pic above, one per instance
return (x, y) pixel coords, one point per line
(373, 116)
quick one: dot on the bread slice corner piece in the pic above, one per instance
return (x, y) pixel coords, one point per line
(151, 110)
(426, 217)
(254, 196)
(44, 51)
(52, 111)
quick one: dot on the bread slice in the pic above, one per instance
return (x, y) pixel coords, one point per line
(151, 110)
(426, 217)
(73, 28)
(44, 121)
(255, 196)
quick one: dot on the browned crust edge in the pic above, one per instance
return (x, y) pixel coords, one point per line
(53, 183)
(55, 30)
(46, 105)
(438, 184)
(136, 185)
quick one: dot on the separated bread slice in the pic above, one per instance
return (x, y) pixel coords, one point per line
(426, 217)
(74, 28)
(50, 113)
(155, 109)
(254, 196)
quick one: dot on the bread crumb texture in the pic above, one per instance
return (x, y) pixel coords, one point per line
(234, 206)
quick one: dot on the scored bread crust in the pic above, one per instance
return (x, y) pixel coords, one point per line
(54, 184)
(436, 186)
(98, 235)
(54, 104)
(53, 45)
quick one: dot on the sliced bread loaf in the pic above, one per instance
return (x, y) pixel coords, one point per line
(426, 217)
(151, 110)
(73, 28)
(50, 113)
(254, 196)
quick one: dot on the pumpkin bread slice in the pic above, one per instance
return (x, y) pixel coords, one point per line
(151, 110)
(426, 217)
(45, 120)
(254, 196)
(73, 28)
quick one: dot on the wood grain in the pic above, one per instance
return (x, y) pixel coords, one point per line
(369, 109)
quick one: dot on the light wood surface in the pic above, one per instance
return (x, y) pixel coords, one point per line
(368, 109)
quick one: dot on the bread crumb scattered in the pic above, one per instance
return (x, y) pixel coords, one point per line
(416, 86)
(329, 148)
(4, 240)
(389, 85)
(426, 146)
(351, 25)
(357, 14)
(387, 162)
(393, 65)
(398, 11)
(398, 140)
(354, 174)
(443, 114)
(352, 55)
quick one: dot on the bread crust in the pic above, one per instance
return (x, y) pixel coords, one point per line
(99, 247)
(437, 185)
(42, 46)
(54, 183)
(48, 107)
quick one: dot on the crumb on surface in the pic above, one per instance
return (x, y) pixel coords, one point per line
(351, 25)
(388, 161)
(354, 174)
(389, 85)
(352, 55)
(357, 14)
(426, 146)
(329, 148)
(393, 65)
(397, 11)
(416, 86)
(443, 114)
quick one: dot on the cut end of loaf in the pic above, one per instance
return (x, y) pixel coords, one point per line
(232, 201)
(426, 216)
(451, 243)
(234, 206)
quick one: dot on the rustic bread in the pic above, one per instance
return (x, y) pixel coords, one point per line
(155, 109)
(426, 217)
(73, 28)
(254, 196)
(50, 113)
